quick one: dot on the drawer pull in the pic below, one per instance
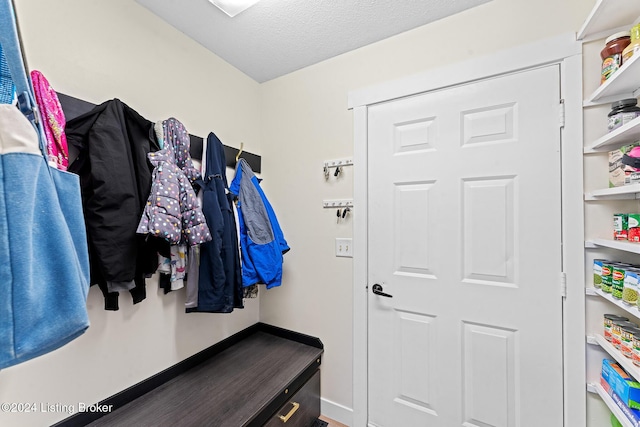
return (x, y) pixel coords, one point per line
(293, 410)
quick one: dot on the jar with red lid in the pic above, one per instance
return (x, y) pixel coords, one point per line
(612, 54)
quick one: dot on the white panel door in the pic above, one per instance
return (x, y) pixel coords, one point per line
(465, 236)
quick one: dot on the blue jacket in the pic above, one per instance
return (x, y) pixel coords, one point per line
(262, 242)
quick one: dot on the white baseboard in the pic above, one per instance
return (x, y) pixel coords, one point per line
(337, 412)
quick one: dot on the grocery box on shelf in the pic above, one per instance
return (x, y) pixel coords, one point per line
(633, 415)
(621, 226)
(621, 383)
(633, 224)
(623, 165)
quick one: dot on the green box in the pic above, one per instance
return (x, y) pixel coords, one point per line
(621, 226)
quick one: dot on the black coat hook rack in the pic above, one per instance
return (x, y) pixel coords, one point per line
(74, 107)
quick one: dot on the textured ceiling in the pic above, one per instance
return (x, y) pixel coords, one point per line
(276, 37)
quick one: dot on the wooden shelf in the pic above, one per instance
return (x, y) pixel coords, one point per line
(608, 400)
(621, 245)
(622, 84)
(626, 134)
(609, 15)
(617, 193)
(631, 309)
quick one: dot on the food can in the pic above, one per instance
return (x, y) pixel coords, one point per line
(636, 349)
(617, 280)
(608, 324)
(616, 331)
(597, 272)
(607, 270)
(630, 289)
(626, 340)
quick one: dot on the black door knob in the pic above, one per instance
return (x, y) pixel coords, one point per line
(377, 289)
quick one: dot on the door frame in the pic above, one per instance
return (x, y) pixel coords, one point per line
(563, 50)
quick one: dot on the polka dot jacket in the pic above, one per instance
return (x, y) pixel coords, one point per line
(173, 211)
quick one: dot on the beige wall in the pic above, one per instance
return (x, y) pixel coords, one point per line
(306, 121)
(98, 50)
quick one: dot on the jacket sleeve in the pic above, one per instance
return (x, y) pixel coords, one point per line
(194, 224)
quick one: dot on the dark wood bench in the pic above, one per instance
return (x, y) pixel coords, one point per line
(260, 376)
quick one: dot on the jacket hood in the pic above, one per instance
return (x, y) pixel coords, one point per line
(177, 145)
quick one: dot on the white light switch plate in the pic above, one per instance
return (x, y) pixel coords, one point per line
(344, 247)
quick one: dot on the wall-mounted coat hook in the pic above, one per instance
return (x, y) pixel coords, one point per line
(338, 164)
(239, 151)
(74, 107)
(344, 203)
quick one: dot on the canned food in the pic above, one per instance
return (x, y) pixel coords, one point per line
(607, 270)
(616, 331)
(608, 324)
(597, 272)
(626, 340)
(630, 289)
(636, 349)
(617, 280)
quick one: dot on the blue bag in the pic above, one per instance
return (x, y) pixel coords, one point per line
(44, 261)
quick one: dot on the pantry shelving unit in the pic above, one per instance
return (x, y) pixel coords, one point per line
(620, 245)
(597, 388)
(628, 132)
(617, 193)
(606, 18)
(630, 309)
(625, 362)
(623, 84)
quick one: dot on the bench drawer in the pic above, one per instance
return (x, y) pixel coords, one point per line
(302, 409)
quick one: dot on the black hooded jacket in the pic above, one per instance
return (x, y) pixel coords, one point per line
(113, 141)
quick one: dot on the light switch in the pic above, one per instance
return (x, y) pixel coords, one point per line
(344, 247)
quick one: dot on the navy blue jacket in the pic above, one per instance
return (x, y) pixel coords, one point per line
(219, 283)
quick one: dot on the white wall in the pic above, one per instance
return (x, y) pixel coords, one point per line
(305, 120)
(96, 51)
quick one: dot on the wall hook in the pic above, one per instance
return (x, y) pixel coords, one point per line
(239, 151)
(338, 164)
(343, 203)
